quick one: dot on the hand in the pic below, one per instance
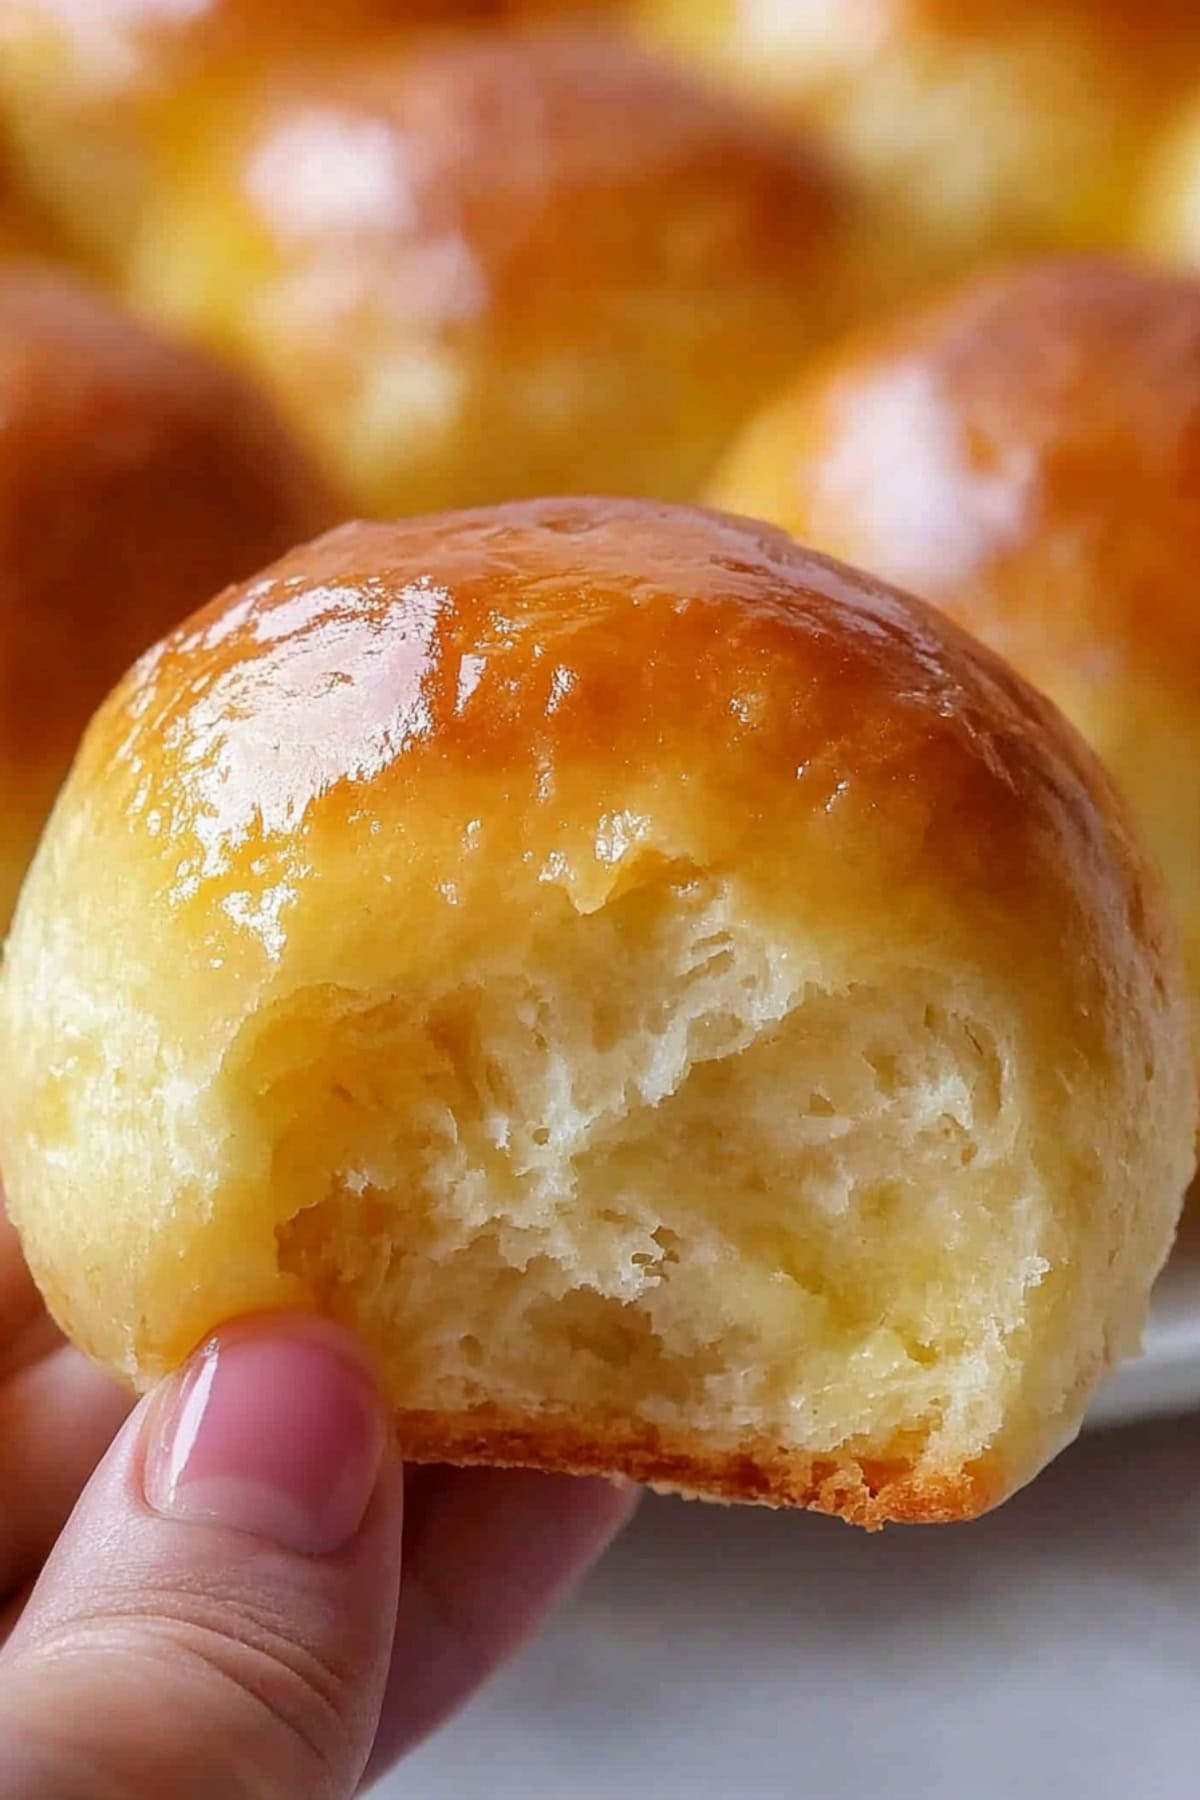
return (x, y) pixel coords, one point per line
(222, 1614)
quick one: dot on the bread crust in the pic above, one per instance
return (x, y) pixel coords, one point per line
(731, 612)
(862, 1492)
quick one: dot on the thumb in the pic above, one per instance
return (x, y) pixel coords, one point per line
(215, 1622)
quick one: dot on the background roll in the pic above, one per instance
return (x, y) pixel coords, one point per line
(978, 128)
(1026, 455)
(546, 264)
(137, 478)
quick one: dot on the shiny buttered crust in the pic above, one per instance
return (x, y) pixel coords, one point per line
(136, 480)
(546, 262)
(1026, 455)
(694, 1012)
(978, 126)
(89, 88)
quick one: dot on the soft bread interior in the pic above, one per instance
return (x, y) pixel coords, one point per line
(650, 1169)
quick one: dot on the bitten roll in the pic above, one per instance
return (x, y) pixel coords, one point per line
(693, 1011)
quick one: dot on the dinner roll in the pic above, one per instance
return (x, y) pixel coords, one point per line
(88, 88)
(691, 1009)
(1026, 455)
(545, 262)
(978, 125)
(136, 478)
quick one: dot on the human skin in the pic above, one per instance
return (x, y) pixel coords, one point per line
(242, 1594)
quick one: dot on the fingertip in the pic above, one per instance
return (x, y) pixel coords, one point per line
(242, 1537)
(275, 1426)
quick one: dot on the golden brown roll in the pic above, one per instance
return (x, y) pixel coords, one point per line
(694, 1011)
(979, 126)
(1167, 224)
(136, 479)
(89, 87)
(1026, 455)
(499, 265)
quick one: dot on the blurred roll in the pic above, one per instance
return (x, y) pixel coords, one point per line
(136, 479)
(977, 125)
(1027, 456)
(88, 87)
(499, 265)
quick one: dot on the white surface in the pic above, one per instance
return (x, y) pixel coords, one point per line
(1050, 1652)
(1166, 1377)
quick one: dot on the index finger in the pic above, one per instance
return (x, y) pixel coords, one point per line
(26, 1329)
(487, 1554)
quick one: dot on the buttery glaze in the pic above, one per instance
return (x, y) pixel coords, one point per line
(1026, 455)
(558, 689)
(1044, 424)
(136, 479)
(494, 265)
